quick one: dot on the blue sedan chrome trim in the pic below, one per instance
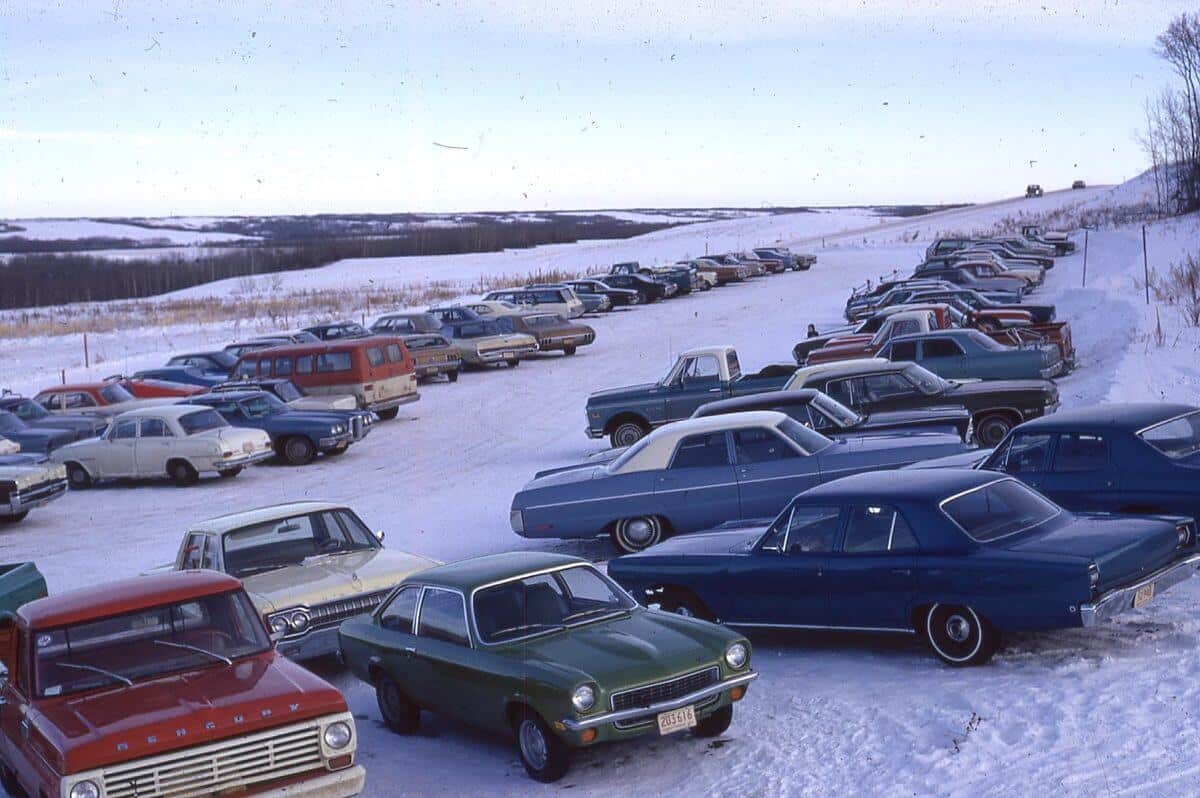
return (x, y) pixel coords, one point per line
(664, 706)
(1119, 600)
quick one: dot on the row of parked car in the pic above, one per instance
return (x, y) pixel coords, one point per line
(194, 656)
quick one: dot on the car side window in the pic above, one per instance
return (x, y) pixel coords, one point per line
(399, 613)
(812, 530)
(871, 529)
(878, 387)
(78, 399)
(155, 428)
(212, 554)
(903, 350)
(1080, 452)
(758, 445)
(443, 617)
(942, 347)
(49, 401)
(193, 552)
(841, 390)
(126, 429)
(1026, 454)
(701, 451)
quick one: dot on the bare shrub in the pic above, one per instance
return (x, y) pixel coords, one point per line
(1180, 288)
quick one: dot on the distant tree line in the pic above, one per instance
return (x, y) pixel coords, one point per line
(31, 280)
(19, 244)
(1172, 136)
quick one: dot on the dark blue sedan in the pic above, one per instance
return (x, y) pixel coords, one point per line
(956, 556)
(298, 435)
(41, 440)
(1124, 458)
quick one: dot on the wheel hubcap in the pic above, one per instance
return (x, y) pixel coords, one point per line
(639, 531)
(629, 435)
(686, 612)
(958, 628)
(533, 744)
(296, 450)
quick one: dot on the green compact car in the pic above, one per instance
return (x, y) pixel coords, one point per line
(549, 649)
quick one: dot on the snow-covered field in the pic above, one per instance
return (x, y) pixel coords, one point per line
(1108, 711)
(53, 229)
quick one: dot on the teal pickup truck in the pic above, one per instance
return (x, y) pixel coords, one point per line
(626, 415)
(20, 583)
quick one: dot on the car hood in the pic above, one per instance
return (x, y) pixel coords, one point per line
(969, 459)
(617, 394)
(32, 473)
(962, 388)
(1124, 547)
(322, 417)
(331, 577)
(104, 727)
(565, 476)
(893, 449)
(734, 537)
(635, 648)
(928, 415)
(41, 439)
(81, 426)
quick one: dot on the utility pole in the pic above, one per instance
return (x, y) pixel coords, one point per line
(1145, 265)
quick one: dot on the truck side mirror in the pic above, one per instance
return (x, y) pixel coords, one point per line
(379, 535)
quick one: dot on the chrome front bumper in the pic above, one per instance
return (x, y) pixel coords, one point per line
(1119, 600)
(334, 441)
(41, 495)
(579, 724)
(336, 784)
(317, 643)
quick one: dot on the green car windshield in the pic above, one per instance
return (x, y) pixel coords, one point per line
(546, 602)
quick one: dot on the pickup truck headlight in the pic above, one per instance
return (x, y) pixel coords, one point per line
(337, 735)
(736, 656)
(85, 789)
(584, 698)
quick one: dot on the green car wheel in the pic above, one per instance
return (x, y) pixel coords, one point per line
(545, 757)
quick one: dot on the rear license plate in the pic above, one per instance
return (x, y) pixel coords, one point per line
(676, 720)
(1143, 595)
(508, 355)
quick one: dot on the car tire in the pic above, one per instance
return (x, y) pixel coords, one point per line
(8, 780)
(399, 713)
(627, 433)
(230, 473)
(991, 430)
(636, 299)
(631, 535)
(77, 477)
(685, 603)
(715, 724)
(297, 450)
(14, 519)
(545, 757)
(512, 364)
(958, 636)
(569, 350)
(452, 376)
(182, 473)
(389, 414)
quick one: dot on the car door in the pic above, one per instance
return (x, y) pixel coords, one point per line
(1082, 475)
(447, 664)
(15, 706)
(770, 471)
(1025, 456)
(697, 381)
(946, 358)
(154, 445)
(781, 583)
(871, 578)
(117, 457)
(397, 653)
(698, 488)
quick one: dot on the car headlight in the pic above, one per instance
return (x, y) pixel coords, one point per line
(279, 625)
(1093, 575)
(336, 429)
(1184, 533)
(584, 698)
(337, 735)
(85, 789)
(298, 620)
(736, 656)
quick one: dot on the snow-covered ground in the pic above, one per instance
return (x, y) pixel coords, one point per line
(54, 229)
(1107, 711)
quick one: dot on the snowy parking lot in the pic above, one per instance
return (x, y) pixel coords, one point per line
(1106, 711)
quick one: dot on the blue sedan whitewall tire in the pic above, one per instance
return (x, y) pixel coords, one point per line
(958, 636)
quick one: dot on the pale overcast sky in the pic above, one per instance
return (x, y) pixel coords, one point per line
(123, 108)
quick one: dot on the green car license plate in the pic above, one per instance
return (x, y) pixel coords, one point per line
(676, 720)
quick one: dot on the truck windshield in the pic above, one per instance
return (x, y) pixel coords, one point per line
(146, 644)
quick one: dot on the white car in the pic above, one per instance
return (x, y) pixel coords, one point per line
(495, 308)
(180, 442)
(548, 299)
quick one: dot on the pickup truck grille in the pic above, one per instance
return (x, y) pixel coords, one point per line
(227, 766)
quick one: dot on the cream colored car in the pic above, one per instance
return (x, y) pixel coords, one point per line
(176, 441)
(308, 566)
(483, 343)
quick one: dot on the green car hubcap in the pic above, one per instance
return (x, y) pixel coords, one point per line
(533, 744)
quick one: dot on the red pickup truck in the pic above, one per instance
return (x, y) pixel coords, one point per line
(938, 316)
(164, 685)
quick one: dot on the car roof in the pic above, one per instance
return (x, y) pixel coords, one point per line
(801, 396)
(1131, 416)
(164, 410)
(845, 368)
(259, 515)
(466, 575)
(124, 595)
(75, 386)
(230, 395)
(900, 486)
(658, 447)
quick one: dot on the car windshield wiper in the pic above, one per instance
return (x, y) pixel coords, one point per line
(93, 669)
(597, 611)
(258, 569)
(197, 649)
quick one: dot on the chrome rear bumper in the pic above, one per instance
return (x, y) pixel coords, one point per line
(1119, 600)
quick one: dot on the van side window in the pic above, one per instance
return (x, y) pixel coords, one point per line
(375, 356)
(246, 367)
(283, 366)
(304, 365)
(393, 354)
(333, 361)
